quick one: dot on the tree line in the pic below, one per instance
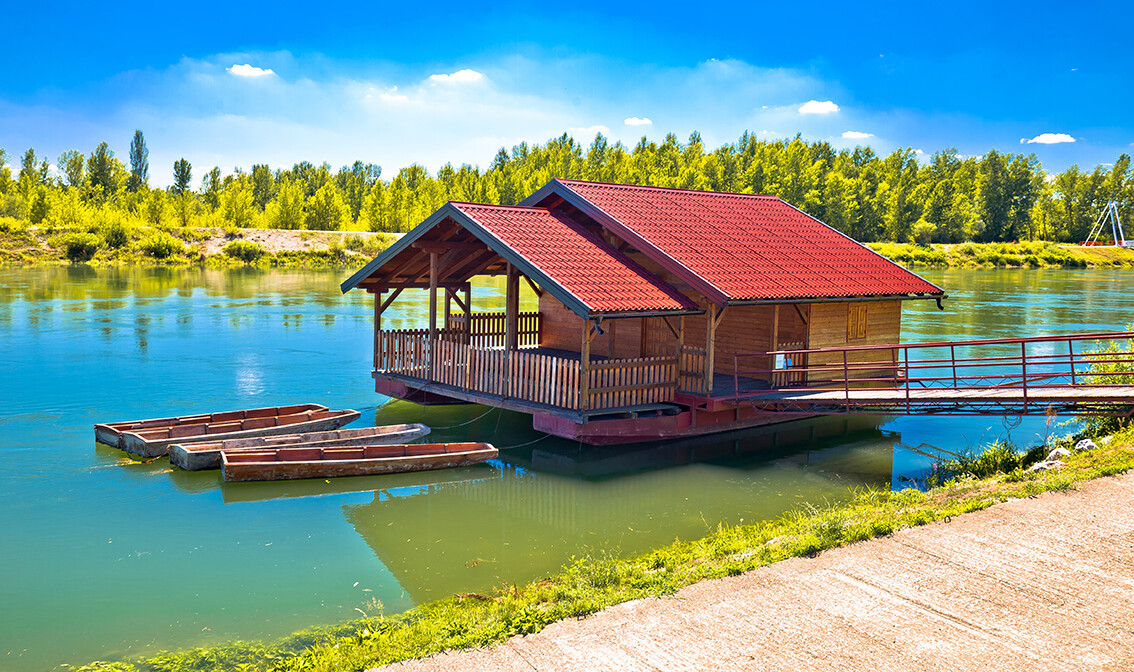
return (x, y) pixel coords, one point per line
(948, 198)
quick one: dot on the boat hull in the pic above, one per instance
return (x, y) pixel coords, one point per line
(332, 462)
(207, 455)
(110, 433)
(151, 444)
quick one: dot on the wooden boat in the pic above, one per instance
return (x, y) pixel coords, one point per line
(152, 438)
(279, 464)
(207, 455)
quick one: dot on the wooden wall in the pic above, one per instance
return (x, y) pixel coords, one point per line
(563, 329)
(829, 328)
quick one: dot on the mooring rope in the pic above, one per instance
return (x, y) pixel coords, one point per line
(470, 421)
(521, 445)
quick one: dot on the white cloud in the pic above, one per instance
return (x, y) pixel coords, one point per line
(1048, 139)
(635, 121)
(458, 77)
(391, 94)
(857, 135)
(250, 71)
(818, 107)
(590, 130)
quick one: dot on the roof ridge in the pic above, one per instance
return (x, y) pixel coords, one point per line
(498, 205)
(674, 189)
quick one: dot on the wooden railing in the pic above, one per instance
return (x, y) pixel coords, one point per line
(488, 329)
(691, 371)
(526, 375)
(621, 383)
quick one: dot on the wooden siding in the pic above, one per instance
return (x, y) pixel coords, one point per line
(747, 329)
(561, 329)
(828, 329)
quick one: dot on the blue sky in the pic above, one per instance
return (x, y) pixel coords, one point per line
(230, 84)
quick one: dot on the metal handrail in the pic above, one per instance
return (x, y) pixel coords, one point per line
(1020, 371)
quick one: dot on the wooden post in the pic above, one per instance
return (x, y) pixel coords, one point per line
(585, 366)
(432, 315)
(468, 314)
(512, 309)
(377, 326)
(710, 345)
(680, 348)
(775, 341)
(610, 340)
(448, 303)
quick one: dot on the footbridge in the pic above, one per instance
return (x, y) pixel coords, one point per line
(1073, 374)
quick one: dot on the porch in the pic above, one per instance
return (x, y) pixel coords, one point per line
(471, 360)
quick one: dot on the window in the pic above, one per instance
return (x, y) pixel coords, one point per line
(856, 321)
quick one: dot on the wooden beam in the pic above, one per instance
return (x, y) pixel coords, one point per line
(800, 311)
(673, 331)
(512, 309)
(680, 334)
(387, 302)
(432, 314)
(585, 366)
(537, 290)
(468, 266)
(713, 319)
(775, 341)
(457, 297)
(467, 306)
(438, 246)
(378, 307)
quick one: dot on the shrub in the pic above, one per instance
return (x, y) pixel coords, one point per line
(161, 245)
(81, 246)
(247, 251)
(116, 233)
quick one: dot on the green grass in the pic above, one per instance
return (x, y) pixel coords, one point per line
(592, 582)
(1027, 254)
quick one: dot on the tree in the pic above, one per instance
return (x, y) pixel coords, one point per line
(100, 170)
(326, 210)
(236, 203)
(72, 163)
(182, 176)
(263, 185)
(139, 164)
(29, 175)
(287, 211)
(211, 186)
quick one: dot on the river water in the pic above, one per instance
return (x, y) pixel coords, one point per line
(103, 557)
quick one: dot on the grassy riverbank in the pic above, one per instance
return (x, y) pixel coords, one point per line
(590, 583)
(1033, 254)
(119, 243)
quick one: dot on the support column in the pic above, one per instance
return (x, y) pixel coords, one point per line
(377, 326)
(512, 309)
(680, 347)
(774, 341)
(448, 308)
(585, 366)
(710, 345)
(431, 361)
(468, 314)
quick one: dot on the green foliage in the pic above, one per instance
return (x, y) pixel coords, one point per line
(1114, 365)
(326, 210)
(288, 210)
(80, 246)
(139, 163)
(116, 232)
(182, 176)
(245, 250)
(161, 245)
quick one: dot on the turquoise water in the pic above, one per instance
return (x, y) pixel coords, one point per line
(104, 557)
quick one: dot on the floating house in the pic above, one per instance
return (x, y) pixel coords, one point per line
(657, 307)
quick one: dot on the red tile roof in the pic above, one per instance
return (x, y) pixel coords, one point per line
(603, 278)
(750, 247)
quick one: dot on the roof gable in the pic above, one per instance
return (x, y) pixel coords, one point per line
(584, 272)
(739, 247)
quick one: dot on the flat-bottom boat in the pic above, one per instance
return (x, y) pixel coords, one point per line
(279, 464)
(207, 455)
(152, 438)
